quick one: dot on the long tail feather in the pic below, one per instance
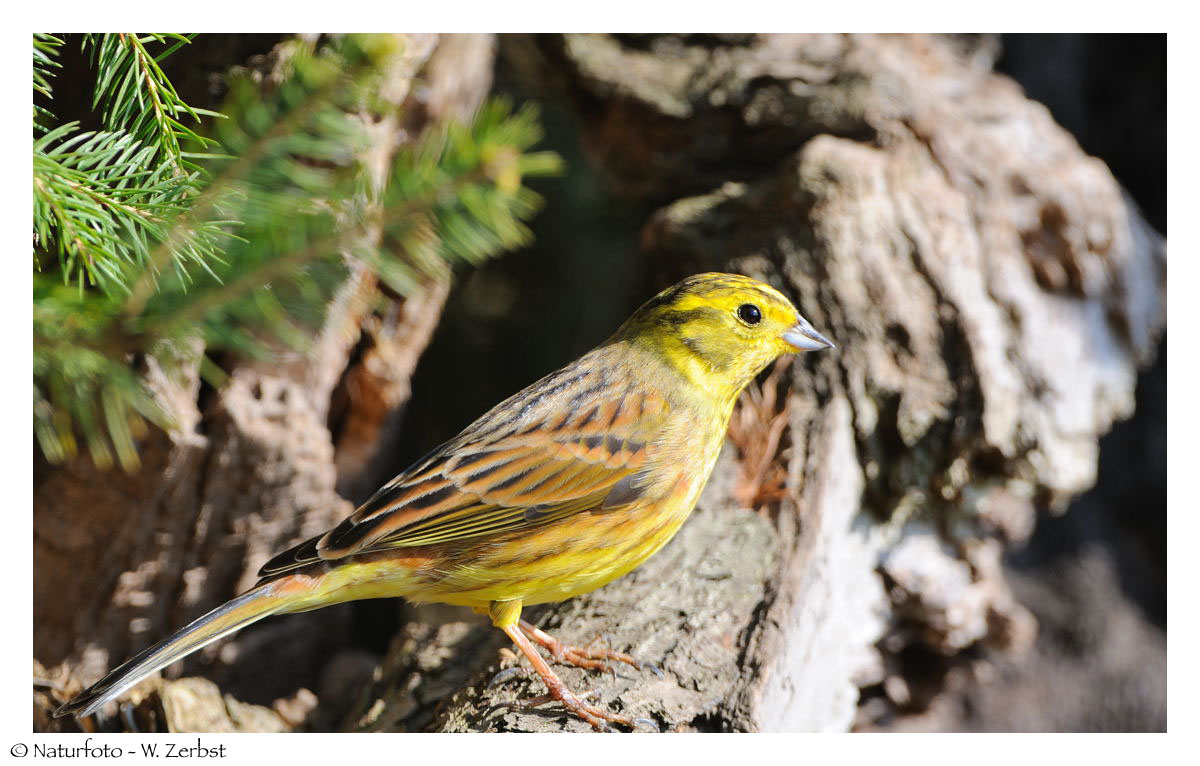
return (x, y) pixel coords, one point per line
(233, 615)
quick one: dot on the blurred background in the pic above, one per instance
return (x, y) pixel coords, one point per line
(1093, 576)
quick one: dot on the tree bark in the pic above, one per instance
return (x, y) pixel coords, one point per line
(992, 293)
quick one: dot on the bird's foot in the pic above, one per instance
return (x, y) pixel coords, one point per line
(524, 635)
(504, 675)
(579, 656)
(581, 706)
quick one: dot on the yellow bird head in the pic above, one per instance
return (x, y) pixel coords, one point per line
(721, 330)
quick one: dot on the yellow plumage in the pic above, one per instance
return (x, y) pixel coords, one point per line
(558, 490)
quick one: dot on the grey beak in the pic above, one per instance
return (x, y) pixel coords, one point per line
(803, 337)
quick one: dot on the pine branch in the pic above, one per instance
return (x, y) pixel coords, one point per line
(45, 61)
(250, 149)
(136, 97)
(101, 204)
(117, 210)
(79, 374)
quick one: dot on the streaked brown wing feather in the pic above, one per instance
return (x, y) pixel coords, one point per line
(530, 461)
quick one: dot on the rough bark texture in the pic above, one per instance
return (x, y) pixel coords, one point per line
(120, 560)
(992, 293)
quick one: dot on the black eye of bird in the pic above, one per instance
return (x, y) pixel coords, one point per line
(749, 313)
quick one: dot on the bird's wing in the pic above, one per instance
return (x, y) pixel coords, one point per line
(551, 451)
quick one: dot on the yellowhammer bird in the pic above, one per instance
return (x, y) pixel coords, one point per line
(556, 491)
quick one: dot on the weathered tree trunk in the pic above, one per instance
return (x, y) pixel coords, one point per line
(992, 294)
(122, 560)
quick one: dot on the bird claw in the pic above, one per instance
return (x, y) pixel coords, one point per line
(525, 635)
(506, 674)
(522, 704)
(580, 705)
(647, 723)
(585, 657)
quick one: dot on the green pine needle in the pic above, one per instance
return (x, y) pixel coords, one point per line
(162, 237)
